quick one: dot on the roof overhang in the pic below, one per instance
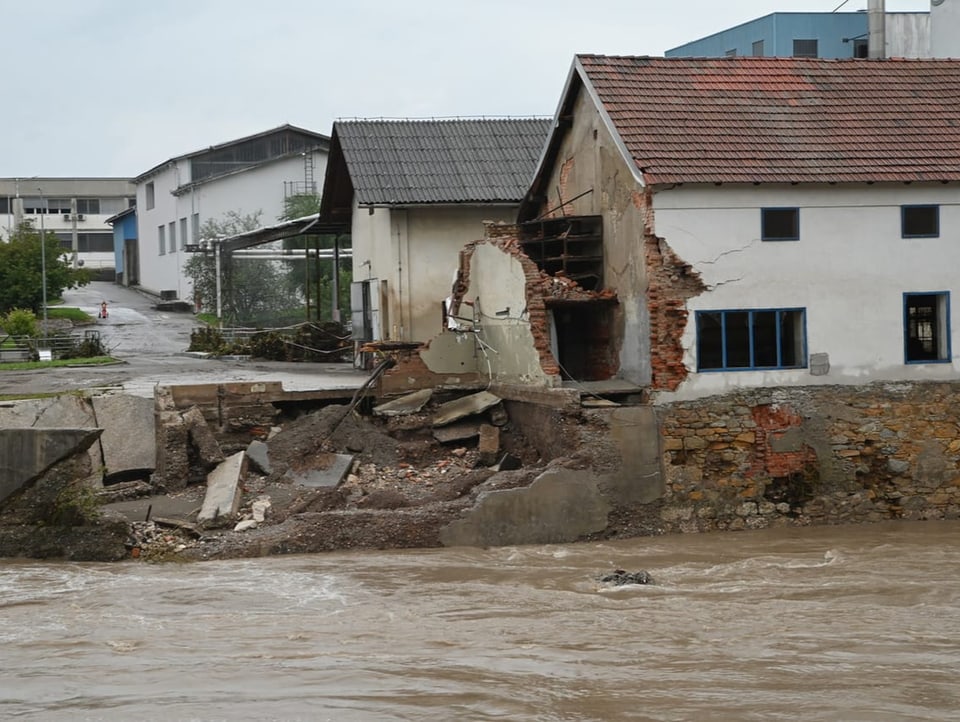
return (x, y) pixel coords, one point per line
(307, 225)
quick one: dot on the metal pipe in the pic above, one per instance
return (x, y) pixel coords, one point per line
(219, 302)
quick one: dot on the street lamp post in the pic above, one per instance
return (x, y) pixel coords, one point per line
(43, 261)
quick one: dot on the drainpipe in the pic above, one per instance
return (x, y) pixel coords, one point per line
(876, 26)
(219, 304)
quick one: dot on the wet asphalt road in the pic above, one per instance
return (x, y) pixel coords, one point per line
(152, 348)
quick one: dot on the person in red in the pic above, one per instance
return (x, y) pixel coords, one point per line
(103, 310)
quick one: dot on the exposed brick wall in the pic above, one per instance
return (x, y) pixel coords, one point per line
(671, 281)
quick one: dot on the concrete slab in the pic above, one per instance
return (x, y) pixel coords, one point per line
(405, 405)
(68, 411)
(129, 438)
(559, 507)
(460, 431)
(202, 438)
(465, 406)
(223, 490)
(325, 471)
(27, 453)
(259, 454)
(164, 507)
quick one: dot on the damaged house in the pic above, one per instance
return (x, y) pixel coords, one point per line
(411, 193)
(700, 225)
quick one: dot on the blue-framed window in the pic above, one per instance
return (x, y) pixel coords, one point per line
(920, 221)
(780, 224)
(926, 327)
(749, 340)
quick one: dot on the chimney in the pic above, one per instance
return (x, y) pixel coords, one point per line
(876, 25)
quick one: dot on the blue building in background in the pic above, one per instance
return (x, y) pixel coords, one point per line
(813, 35)
(125, 246)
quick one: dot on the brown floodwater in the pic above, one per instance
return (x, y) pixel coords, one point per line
(839, 623)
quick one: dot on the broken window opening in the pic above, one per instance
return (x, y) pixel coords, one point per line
(926, 321)
(581, 336)
(571, 246)
(751, 340)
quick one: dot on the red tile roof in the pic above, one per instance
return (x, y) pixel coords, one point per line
(773, 120)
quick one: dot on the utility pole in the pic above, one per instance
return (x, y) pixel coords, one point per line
(43, 260)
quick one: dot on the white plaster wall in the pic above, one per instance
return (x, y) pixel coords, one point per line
(158, 272)
(417, 251)
(249, 191)
(908, 35)
(849, 269)
(945, 29)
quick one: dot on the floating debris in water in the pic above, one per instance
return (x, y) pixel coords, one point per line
(619, 577)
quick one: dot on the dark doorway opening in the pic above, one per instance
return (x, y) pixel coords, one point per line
(582, 334)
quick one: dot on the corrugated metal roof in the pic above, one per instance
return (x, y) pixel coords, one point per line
(774, 120)
(441, 161)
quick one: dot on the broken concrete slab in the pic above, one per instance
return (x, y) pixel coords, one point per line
(489, 446)
(202, 438)
(560, 506)
(259, 454)
(129, 440)
(460, 431)
(25, 454)
(325, 471)
(222, 501)
(59, 412)
(405, 405)
(245, 525)
(260, 507)
(465, 406)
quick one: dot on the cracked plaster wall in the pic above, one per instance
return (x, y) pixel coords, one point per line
(589, 163)
(849, 270)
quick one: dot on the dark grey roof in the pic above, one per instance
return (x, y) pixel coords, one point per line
(441, 161)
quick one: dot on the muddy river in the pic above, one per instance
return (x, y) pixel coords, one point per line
(856, 623)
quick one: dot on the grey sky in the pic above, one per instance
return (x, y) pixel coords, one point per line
(113, 87)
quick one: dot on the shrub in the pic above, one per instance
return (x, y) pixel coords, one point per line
(20, 322)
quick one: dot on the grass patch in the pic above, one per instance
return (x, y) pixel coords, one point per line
(71, 314)
(57, 363)
(208, 318)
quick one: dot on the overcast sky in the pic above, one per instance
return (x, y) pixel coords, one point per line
(114, 87)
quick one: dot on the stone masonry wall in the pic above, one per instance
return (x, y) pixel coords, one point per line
(820, 455)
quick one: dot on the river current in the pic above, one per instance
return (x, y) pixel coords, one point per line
(838, 623)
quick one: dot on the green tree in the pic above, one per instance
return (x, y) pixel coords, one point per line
(310, 279)
(22, 261)
(252, 290)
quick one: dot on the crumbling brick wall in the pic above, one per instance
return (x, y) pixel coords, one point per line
(671, 282)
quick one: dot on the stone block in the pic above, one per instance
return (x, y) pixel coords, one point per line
(324, 470)
(259, 454)
(489, 446)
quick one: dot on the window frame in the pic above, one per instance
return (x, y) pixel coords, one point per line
(725, 367)
(815, 45)
(944, 355)
(150, 194)
(779, 209)
(906, 209)
(162, 239)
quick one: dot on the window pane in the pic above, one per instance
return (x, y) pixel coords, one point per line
(921, 221)
(791, 338)
(709, 341)
(765, 339)
(804, 48)
(780, 224)
(737, 329)
(925, 334)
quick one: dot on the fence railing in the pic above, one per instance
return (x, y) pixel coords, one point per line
(15, 349)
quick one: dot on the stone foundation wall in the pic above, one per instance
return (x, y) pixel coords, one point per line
(824, 455)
